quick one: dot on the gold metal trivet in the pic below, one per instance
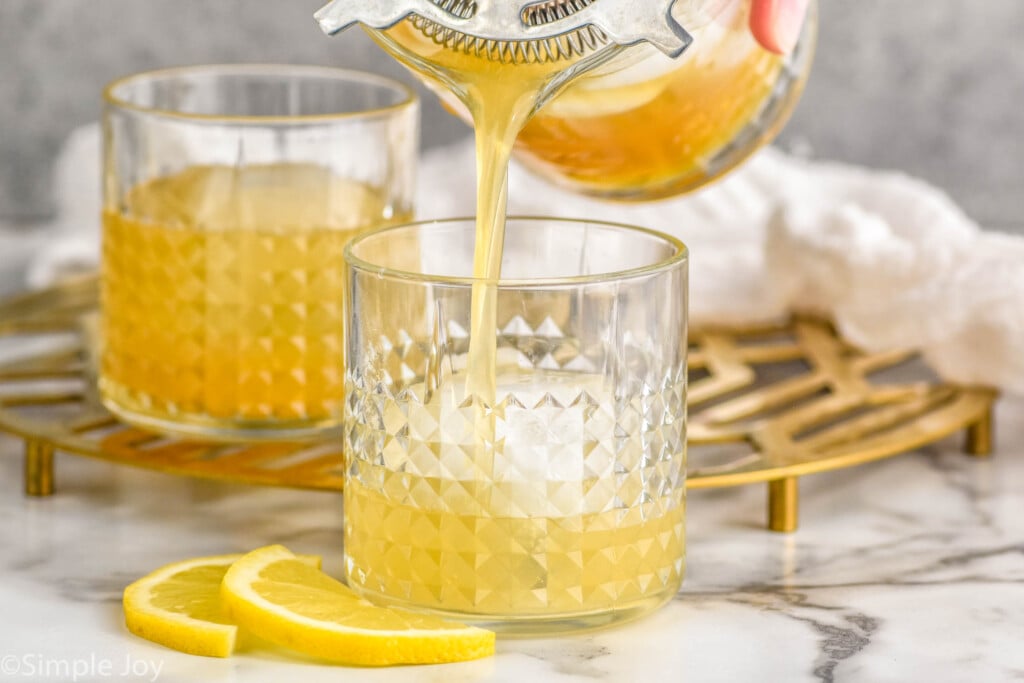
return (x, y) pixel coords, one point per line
(768, 404)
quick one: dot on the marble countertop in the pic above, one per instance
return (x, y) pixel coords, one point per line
(911, 569)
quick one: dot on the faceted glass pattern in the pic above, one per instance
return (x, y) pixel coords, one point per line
(570, 510)
(223, 278)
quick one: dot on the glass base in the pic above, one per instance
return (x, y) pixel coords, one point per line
(204, 428)
(537, 625)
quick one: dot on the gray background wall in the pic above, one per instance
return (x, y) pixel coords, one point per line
(933, 87)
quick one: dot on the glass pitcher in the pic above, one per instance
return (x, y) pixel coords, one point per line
(637, 124)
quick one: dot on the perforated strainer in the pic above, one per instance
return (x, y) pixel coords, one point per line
(513, 31)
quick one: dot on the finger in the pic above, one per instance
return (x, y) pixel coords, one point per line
(776, 24)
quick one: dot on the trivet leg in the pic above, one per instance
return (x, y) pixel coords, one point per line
(979, 436)
(38, 468)
(783, 504)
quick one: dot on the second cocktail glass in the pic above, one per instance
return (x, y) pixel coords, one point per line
(229, 195)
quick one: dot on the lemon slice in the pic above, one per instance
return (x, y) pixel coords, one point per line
(179, 606)
(280, 599)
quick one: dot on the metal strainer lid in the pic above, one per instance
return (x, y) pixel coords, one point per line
(556, 28)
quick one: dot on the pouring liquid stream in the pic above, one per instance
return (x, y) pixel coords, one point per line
(501, 98)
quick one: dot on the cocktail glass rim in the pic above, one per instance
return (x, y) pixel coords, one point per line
(680, 255)
(113, 94)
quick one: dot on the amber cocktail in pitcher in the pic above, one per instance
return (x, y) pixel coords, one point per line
(229, 195)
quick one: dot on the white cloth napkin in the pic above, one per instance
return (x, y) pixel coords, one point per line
(891, 259)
